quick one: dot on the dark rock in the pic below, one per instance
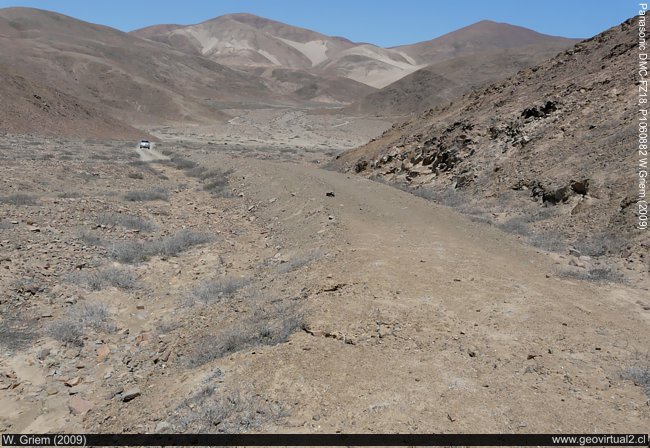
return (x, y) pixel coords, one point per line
(130, 394)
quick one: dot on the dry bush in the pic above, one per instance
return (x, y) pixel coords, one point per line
(156, 194)
(138, 251)
(598, 274)
(19, 199)
(216, 290)
(301, 260)
(640, 374)
(127, 221)
(72, 329)
(108, 277)
(268, 324)
(89, 238)
(213, 410)
(182, 163)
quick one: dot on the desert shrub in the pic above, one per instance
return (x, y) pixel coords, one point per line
(67, 331)
(516, 225)
(218, 187)
(89, 238)
(300, 260)
(182, 163)
(213, 410)
(270, 324)
(71, 330)
(217, 289)
(19, 199)
(17, 331)
(138, 251)
(138, 176)
(197, 171)
(128, 251)
(549, 241)
(69, 194)
(127, 221)
(179, 242)
(108, 277)
(598, 274)
(640, 374)
(156, 194)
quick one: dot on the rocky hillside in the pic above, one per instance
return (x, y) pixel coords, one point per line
(33, 108)
(547, 153)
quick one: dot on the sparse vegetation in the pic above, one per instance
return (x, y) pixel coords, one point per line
(19, 199)
(15, 334)
(126, 221)
(300, 260)
(89, 238)
(68, 332)
(597, 274)
(182, 163)
(217, 289)
(138, 176)
(269, 324)
(69, 194)
(138, 251)
(71, 330)
(212, 409)
(156, 194)
(108, 277)
(640, 374)
(516, 225)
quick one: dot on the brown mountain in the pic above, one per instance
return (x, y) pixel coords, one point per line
(547, 153)
(459, 61)
(246, 40)
(29, 107)
(482, 37)
(448, 80)
(139, 80)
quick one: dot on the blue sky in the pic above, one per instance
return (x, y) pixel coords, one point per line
(382, 22)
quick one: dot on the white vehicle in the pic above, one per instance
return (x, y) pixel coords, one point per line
(145, 144)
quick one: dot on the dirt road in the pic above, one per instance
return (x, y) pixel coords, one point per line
(424, 321)
(150, 155)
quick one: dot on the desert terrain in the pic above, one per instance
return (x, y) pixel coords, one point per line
(268, 268)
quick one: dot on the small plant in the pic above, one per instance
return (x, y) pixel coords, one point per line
(108, 277)
(516, 225)
(90, 238)
(640, 373)
(127, 221)
(300, 261)
(156, 194)
(67, 331)
(215, 290)
(268, 325)
(182, 163)
(212, 409)
(138, 176)
(138, 251)
(598, 274)
(69, 194)
(19, 199)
